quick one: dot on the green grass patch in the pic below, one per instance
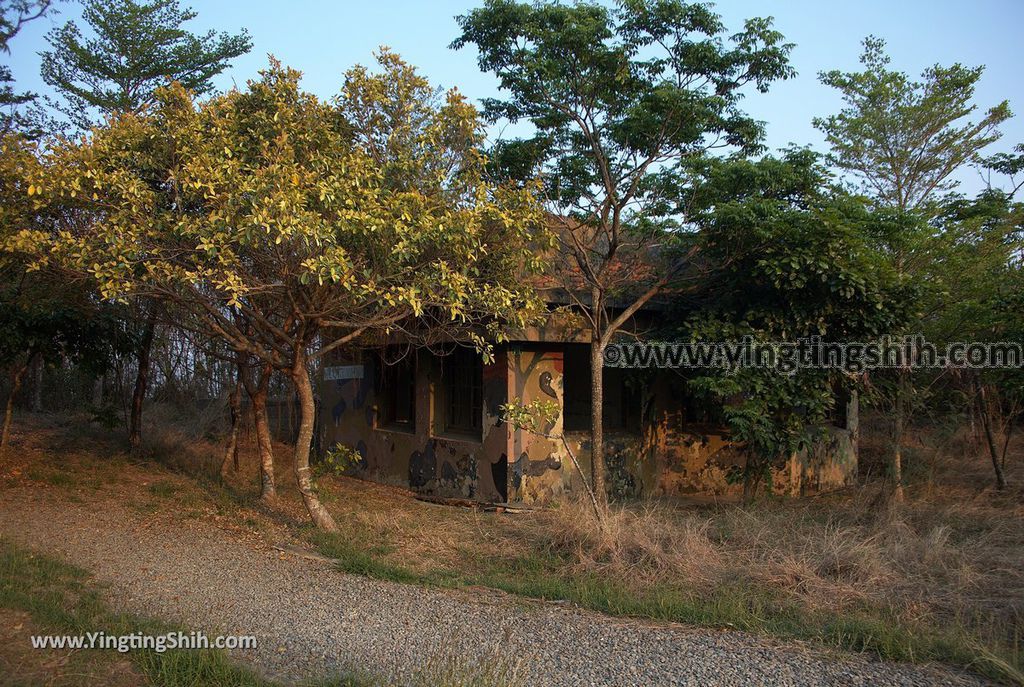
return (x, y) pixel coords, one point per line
(59, 599)
(51, 476)
(164, 490)
(359, 559)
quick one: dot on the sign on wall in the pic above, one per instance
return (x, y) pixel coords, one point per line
(337, 372)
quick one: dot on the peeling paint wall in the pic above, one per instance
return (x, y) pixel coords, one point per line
(424, 459)
(675, 458)
(669, 457)
(539, 468)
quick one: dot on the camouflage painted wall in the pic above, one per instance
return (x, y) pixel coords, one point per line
(423, 459)
(539, 469)
(668, 458)
(675, 458)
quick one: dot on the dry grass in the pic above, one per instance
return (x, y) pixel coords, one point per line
(645, 544)
(952, 553)
(938, 577)
(188, 439)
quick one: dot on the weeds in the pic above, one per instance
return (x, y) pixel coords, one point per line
(910, 584)
(939, 578)
(164, 490)
(492, 669)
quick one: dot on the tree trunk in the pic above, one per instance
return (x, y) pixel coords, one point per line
(898, 427)
(748, 488)
(16, 378)
(753, 475)
(97, 392)
(264, 442)
(985, 411)
(141, 381)
(307, 405)
(597, 468)
(230, 461)
(37, 384)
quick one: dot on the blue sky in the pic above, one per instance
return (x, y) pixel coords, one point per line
(323, 39)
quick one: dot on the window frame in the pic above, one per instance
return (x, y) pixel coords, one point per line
(462, 377)
(388, 396)
(621, 410)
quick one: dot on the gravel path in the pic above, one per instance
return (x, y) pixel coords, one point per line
(312, 620)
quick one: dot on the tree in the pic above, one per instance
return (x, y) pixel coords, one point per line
(535, 417)
(1009, 164)
(290, 227)
(257, 389)
(230, 461)
(622, 101)
(14, 14)
(981, 299)
(44, 317)
(47, 324)
(136, 47)
(789, 258)
(904, 139)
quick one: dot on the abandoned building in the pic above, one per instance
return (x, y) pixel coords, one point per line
(431, 422)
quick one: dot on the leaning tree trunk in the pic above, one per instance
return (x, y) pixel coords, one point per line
(16, 377)
(141, 381)
(230, 461)
(985, 411)
(307, 405)
(597, 467)
(264, 442)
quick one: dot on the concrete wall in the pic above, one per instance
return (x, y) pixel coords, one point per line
(675, 458)
(669, 457)
(423, 459)
(540, 469)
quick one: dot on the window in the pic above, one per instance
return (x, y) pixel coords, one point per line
(396, 390)
(462, 375)
(620, 393)
(576, 385)
(622, 400)
(838, 416)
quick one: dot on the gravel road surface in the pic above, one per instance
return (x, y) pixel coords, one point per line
(311, 620)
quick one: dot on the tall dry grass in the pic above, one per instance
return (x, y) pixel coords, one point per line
(950, 556)
(924, 555)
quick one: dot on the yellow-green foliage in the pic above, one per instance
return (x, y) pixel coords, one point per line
(338, 459)
(298, 214)
(530, 416)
